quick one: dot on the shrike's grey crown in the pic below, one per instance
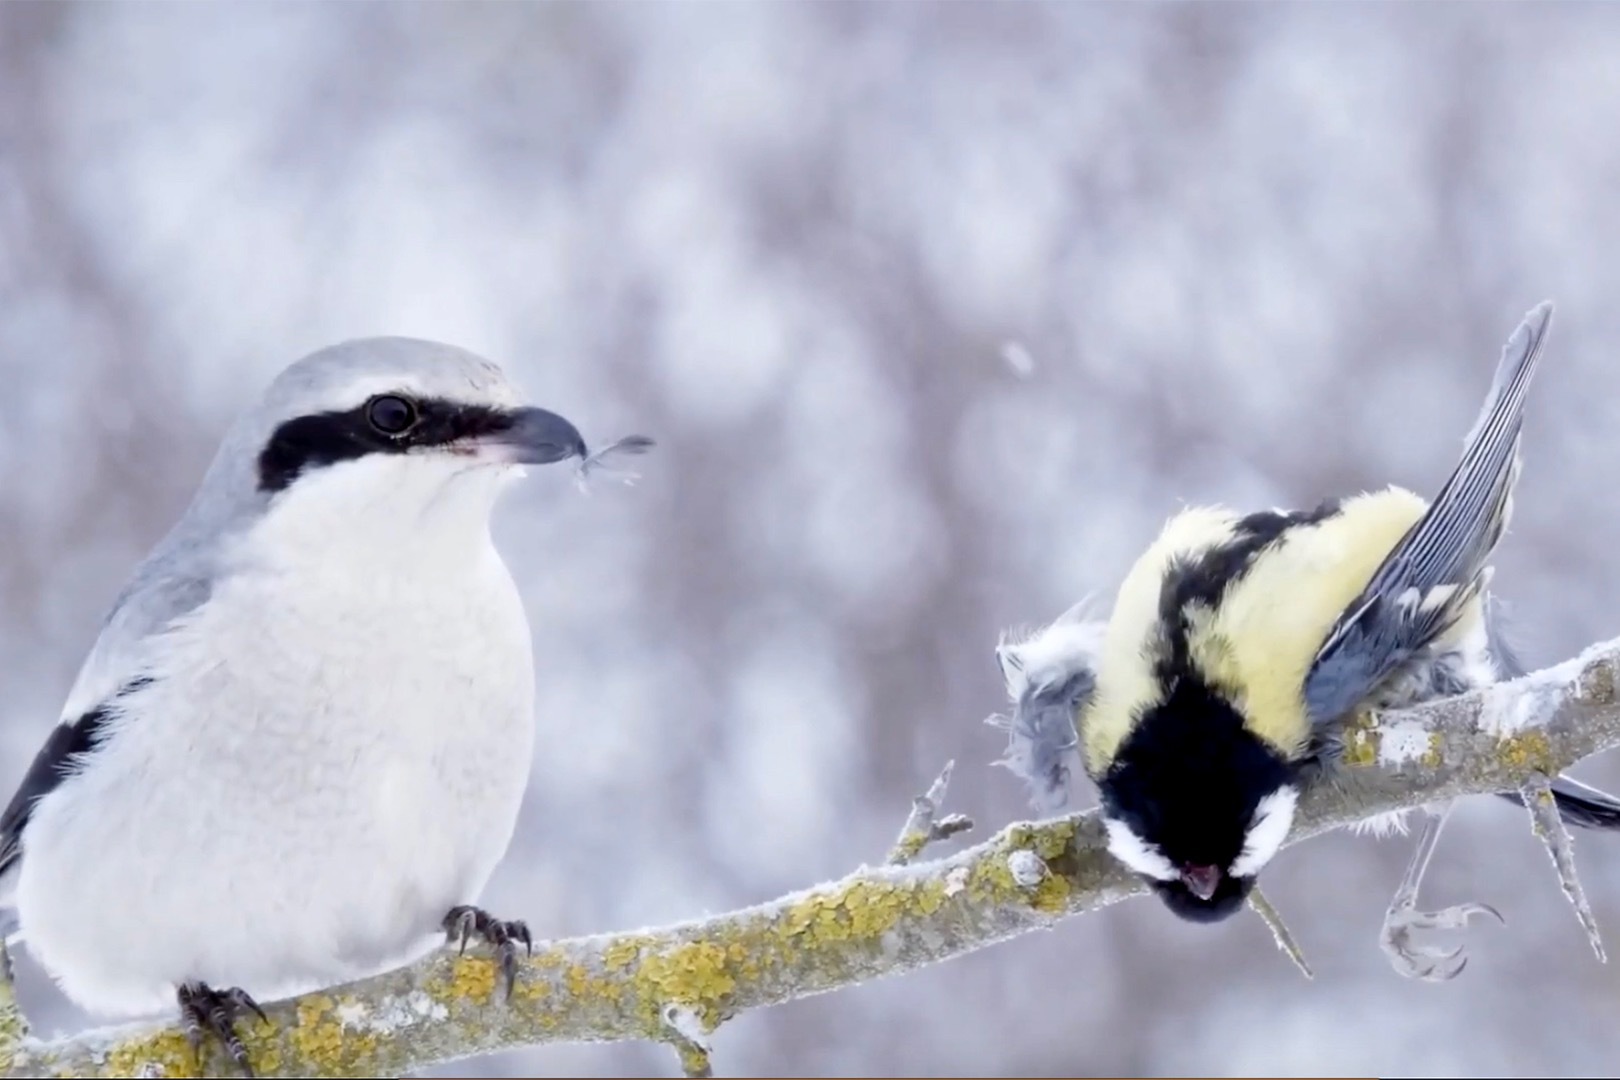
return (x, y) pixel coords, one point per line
(339, 375)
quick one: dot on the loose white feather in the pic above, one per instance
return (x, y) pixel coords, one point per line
(599, 462)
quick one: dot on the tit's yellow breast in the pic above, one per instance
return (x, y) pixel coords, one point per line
(1257, 641)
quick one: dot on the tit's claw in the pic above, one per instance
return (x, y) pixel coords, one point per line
(205, 1011)
(1428, 962)
(464, 921)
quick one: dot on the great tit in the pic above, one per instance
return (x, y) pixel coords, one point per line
(1240, 644)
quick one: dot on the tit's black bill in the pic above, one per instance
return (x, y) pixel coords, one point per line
(1224, 900)
(1202, 881)
(538, 437)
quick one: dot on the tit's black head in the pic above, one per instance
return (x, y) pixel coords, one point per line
(1195, 803)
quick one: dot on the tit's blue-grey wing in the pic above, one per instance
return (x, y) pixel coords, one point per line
(1050, 676)
(1428, 579)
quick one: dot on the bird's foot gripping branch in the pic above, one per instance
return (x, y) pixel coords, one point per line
(678, 984)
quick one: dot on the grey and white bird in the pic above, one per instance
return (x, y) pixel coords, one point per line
(296, 751)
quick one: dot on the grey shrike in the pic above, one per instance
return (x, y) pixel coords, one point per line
(296, 752)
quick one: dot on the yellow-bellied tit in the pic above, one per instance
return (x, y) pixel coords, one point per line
(1240, 644)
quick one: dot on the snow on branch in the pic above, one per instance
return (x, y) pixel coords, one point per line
(678, 983)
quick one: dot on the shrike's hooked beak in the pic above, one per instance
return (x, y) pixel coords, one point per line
(530, 436)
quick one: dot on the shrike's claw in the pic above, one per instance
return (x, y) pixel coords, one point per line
(205, 1011)
(465, 921)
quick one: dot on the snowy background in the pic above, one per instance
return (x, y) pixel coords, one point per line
(937, 312)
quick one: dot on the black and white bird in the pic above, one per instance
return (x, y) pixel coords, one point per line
(296, 751)
(1238, 647)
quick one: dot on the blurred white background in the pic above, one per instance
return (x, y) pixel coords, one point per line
(937, 311)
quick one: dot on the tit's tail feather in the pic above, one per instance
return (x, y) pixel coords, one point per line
(1580, 804)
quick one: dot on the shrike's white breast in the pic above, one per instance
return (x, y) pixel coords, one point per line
(330, 755)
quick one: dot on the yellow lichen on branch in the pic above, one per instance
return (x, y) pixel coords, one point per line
(13, 1029)
(874, 922)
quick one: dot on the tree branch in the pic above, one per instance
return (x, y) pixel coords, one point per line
(13, 1028)
(678, 983)
(925, 825)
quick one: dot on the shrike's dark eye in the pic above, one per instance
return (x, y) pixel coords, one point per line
(391, 415)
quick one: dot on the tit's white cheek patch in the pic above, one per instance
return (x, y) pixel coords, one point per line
(1267, 831)
(1137, 853)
